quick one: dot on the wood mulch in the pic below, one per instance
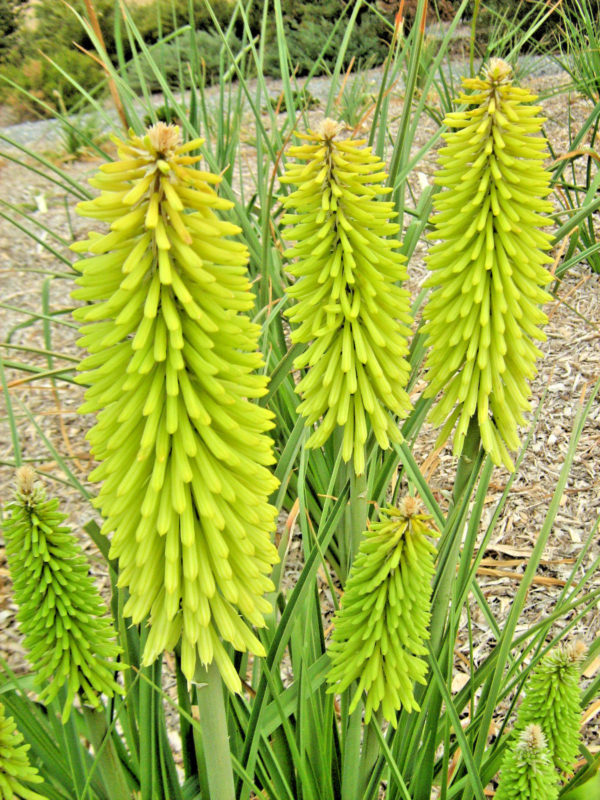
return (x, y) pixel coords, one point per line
(570, 367)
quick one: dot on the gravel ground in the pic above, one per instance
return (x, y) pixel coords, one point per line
(47, 132)
(571, 364)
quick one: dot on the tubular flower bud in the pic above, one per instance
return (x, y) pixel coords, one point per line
(527, 769)
(183, 448)
(553, 700)
(69, 637)
(349, 307)
(382, 624)
(487, 269)
(15, 769)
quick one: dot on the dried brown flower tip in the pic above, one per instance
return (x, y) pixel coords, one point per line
(164, 138)
(532, 739)
(25, 479)
(409, 506)
(576, 651)
(329, 128)
(498, 71)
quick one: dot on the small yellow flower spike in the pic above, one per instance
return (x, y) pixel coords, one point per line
(382, 625)
(69, 637)
(553, 700)
(527, 770)
(487, 270)
(171, 374)
(349, 307)
(15, 769)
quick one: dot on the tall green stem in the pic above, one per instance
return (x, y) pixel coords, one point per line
(467, 460)
(472, 42)
(358, 512)
(72, 745)
(355, 520)
(109, 763)
(213, 722)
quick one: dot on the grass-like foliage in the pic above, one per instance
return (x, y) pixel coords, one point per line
(285, 616)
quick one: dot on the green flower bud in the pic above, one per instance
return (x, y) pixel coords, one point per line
(487, 269)
(527, 770)
(68, 635)
(183, 451)
(349, 307)
(15, 769)
(382, 625)
(553, 701)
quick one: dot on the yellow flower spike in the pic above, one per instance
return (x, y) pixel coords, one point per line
(183, 449)
(487, 268)
(382, 625)
(349, 308)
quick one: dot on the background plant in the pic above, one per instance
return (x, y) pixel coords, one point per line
(289, 738)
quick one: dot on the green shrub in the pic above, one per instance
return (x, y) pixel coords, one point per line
(308, 27)
(9, 26)
(44, 81)
(56, 31)
(173, 59)
(165, 16)
(56, 24)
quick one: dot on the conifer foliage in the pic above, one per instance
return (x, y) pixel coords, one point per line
(488, 267)
(68, 635)
(183, 447)
(349, 308)
(382, 625)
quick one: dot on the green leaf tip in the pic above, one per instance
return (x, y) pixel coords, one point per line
(553, 700)
(382, 626)
(527, 770)
(15, 769)
(349, 307)
(487, 267)
(183, 447)
(68, 634)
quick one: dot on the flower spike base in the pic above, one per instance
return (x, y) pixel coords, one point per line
(488, 269)
(349, 307)
(183, 448)
(382, 625)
